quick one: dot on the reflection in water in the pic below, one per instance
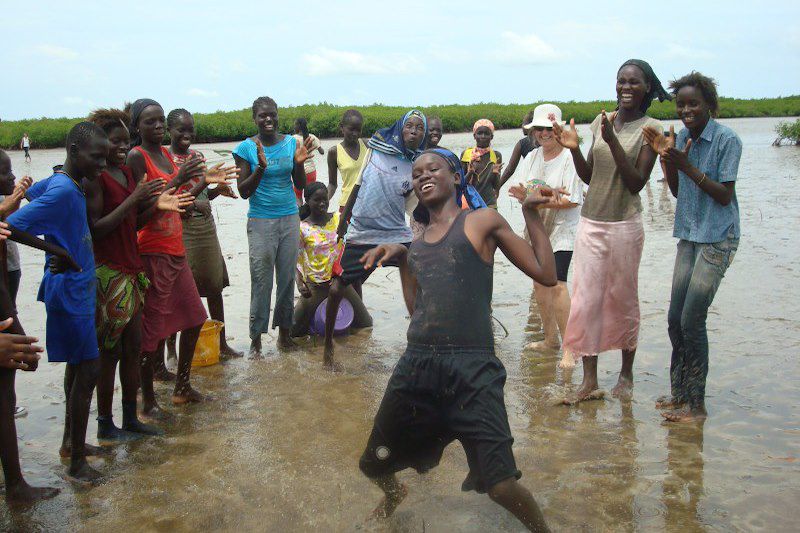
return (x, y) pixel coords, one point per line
(683, 487)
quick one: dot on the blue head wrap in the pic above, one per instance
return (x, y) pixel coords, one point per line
(463, 190)
(390, 140)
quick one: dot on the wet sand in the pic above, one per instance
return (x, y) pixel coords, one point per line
(278, 449)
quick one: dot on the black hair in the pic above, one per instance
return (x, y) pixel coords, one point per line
(303, 125)
(263, 101)
(110, 119)
(308, 192)
(351, 114)
(175, 115)
(82, 132)
(707, 86)
(434, 117)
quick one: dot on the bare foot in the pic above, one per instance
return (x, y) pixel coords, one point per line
(226, 352)
(685, 414)
(84, 474)
(90, 450)
(388, 504)
(255, 350)
(162, 374)
(669, 402)
(543, 345)
(584, 396)
(155, 412)
(623, 389)
(567, 361)
(189, 395)
(24, 494)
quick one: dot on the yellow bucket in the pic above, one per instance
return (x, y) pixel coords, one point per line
(206, 352)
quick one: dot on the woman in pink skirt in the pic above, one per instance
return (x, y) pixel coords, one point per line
(605, 304)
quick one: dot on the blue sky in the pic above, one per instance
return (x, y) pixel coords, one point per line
(66, 58)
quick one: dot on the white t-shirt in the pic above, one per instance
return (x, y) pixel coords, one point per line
(26, 142)
(558, 173)
(309, 165)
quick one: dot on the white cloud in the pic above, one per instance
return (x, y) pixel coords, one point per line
(527, 49)
(330, 62)
(203, 93)
(678, 51)
(57, 52)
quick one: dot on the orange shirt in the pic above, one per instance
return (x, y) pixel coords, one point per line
(163, 234)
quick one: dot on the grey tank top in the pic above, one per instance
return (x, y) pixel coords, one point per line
(454, 292)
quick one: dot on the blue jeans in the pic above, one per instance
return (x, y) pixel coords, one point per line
(273, 244)
(699, 269)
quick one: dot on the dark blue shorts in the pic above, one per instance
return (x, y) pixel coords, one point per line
(71, 338)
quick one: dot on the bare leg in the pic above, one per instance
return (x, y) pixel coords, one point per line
(66, 440)
(334, 299)
(107, 432)
(80, 399)
(184, 393)
(150, 405)
(216, 309)
(129, 377)
(159, 362)
(519, 502)
(589, 389)
(624, 387)
(394, 493)
(544, 301)
(561, 305)
(17, 490)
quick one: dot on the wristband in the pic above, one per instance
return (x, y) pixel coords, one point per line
(702, 179)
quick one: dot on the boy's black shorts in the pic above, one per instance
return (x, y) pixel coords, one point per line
(434, 397)
(352, 268)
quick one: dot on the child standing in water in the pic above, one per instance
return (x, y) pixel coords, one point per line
(449, 384)
(347, 157)
(702, 165)
(58, 210)
(482, 164)
(203, 251)
(318, 253)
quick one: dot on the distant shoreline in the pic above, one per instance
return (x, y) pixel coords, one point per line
(323, 119)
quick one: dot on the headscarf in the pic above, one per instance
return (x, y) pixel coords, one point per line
(463, 189)
(656, 89)
(390, 140)
(481, 123)
(138, 106)
(136, 112)
(477, 153)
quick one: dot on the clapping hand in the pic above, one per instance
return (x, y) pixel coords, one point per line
(304, 152)
(262, 159)
(659, 142)
(169, 201)
(145, 190)
(4, 231)
(538, 197)
(219, 174)
(11, 202)
(606, 127)
(568, 138)
(678, 158)
(193, 168)
(224, 189)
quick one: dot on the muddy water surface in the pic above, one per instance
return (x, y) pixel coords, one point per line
(278, 449)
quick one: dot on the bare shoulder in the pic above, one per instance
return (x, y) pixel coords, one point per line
(484, 220)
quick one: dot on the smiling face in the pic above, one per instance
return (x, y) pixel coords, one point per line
(318, 202)
(266, 119)
(544, 136)
(692, 108)
(434, 132)
(119, 141)
(7, 178)
(152, 124)
(89, 157)
(351, 129)
(433, 179)
(483, 137)
(413, 133)
(631, 87)
(181, 133)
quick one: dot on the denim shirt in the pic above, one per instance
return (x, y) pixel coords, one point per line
(698, 217)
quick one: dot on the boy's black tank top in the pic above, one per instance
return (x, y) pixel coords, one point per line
(454, 292)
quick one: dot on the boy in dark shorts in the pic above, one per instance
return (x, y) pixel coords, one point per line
(449, 384)
(58, 211)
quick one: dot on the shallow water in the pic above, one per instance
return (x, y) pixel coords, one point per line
(278, 449)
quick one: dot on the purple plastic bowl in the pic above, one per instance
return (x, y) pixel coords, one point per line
(344, 318)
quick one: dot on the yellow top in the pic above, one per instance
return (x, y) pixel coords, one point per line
(349, 169)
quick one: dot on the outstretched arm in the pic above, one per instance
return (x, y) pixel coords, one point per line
(395, 252)
(512, 164)
(27, 239)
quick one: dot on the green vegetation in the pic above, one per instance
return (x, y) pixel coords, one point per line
(323, 119)
(788, 131)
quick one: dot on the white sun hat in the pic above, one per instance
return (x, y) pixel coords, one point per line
(544, 115)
